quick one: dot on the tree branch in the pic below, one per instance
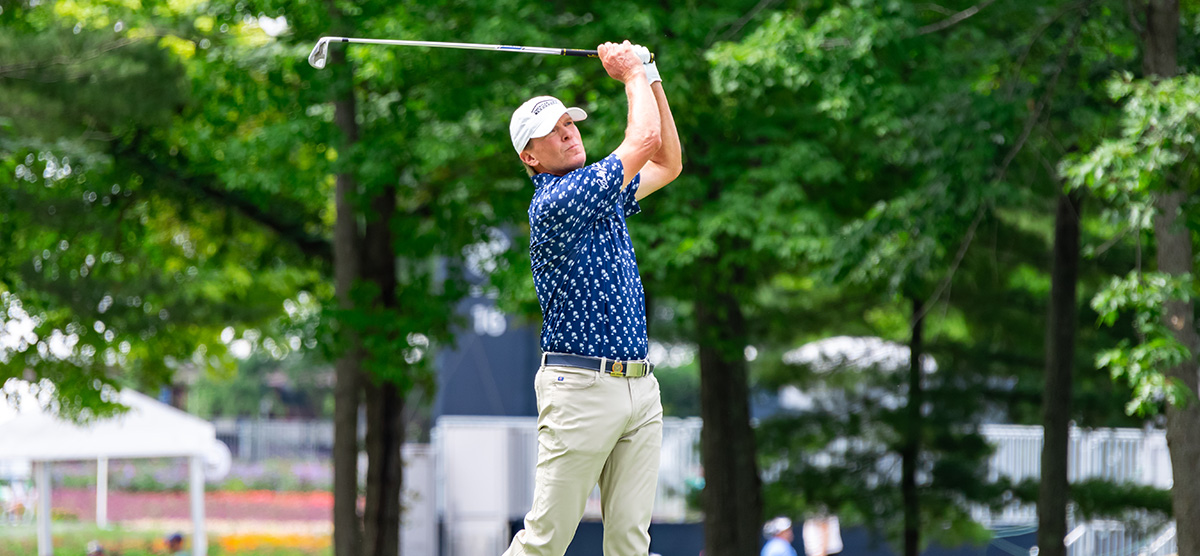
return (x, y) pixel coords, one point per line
(1043, 102)
(1137, 26)
(292, 232)
(1030, 122)
(958, 258)
(739, 24)
(936, 8)
(954, 19)
(1037, 35)
(64, 60)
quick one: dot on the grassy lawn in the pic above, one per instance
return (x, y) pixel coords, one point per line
(71, 539)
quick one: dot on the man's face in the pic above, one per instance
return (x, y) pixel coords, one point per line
(559, 152)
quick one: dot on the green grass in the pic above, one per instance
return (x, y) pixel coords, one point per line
(71, 539)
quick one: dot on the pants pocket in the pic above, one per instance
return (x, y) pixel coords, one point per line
(570, 378)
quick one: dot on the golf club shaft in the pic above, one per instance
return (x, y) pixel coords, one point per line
(471, 46)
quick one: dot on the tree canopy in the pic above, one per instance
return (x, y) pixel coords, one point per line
(169, 201)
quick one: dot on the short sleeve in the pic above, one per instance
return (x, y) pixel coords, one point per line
(565, 208)
(629, 203)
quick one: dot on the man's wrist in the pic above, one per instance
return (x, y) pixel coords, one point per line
(631, 79)
(651, 71)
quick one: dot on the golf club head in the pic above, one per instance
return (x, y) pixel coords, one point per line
(319, 53)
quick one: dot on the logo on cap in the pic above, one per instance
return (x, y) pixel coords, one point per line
(537, 108)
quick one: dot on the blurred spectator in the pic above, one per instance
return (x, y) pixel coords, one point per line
(822, 536)
(779, 537)
(175, 545)
(15, 500)
(94, 549)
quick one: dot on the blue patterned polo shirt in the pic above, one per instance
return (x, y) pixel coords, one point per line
(584, 269)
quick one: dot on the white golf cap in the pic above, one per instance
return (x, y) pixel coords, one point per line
(777, 526)
(537, 118)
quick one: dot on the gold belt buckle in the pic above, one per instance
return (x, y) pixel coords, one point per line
(618, 368)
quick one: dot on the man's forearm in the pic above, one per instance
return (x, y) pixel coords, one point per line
(670, 154)
(644, 123)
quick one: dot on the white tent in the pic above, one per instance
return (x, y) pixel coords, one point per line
(149, 429)
(838, 353)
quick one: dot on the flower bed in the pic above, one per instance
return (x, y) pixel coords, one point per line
(259, 505)
(156, 475)
(22, 540)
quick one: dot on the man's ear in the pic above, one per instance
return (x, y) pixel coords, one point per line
(528, 158)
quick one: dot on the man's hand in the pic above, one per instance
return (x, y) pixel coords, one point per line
(651, 68)
(620, 61)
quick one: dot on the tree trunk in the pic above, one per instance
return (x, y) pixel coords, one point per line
(346, 524)
(1054, 491)
(732, 497)
(385, 402)
(385, 477)
(910, 455)
(1174, 257)
(1183, 421)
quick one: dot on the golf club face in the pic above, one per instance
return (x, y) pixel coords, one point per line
(317, 57)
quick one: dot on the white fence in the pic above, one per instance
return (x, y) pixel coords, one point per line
(1118, 455)
(257, 439)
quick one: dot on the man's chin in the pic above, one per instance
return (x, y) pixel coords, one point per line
(580, 161)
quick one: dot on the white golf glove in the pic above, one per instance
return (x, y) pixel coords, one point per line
(650, 67)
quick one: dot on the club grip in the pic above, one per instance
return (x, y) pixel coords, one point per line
(580, 53)
(588, 53)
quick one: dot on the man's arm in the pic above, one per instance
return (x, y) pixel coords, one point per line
(644, 128)
(667, 163)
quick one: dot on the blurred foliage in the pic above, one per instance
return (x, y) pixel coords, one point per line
(263, 387)
(120, 265)
(930, 135)
(166, 200)
(1142, 506)
(1153, 150)
(678, 387)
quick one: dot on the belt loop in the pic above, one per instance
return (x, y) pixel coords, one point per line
(544, 354)
(603, 365)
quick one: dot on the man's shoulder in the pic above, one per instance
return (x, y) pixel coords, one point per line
(609, 165)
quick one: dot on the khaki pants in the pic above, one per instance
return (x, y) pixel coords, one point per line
(593, 428)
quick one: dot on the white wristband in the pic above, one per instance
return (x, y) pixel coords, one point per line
(651, 68)
(652, 72)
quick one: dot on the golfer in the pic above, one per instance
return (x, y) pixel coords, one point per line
(599, 413)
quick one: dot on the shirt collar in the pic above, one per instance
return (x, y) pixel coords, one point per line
(540, 180)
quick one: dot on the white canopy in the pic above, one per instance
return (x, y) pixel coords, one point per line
(150, 429)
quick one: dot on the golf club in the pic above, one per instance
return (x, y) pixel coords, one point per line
(321, 51)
